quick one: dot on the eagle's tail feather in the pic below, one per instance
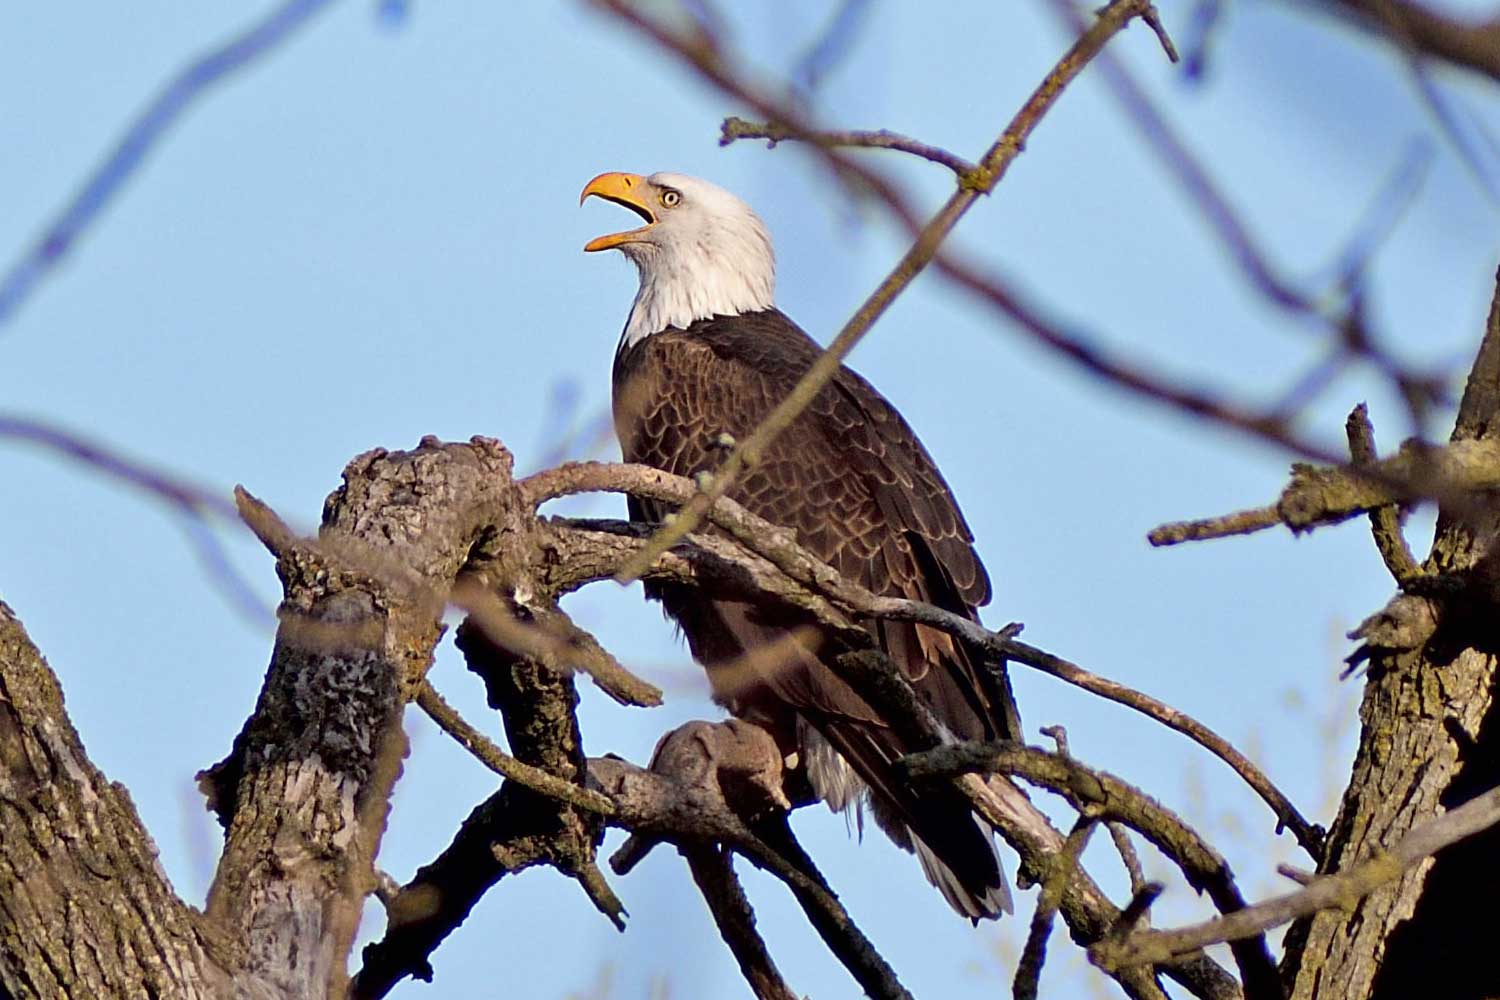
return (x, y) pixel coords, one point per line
(993, 901)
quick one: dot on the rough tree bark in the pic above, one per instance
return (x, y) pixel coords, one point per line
(1430, 740)
(85, 909)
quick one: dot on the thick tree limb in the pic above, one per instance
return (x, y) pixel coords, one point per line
(1428, 741)
(497, 839)
(85, 909)
(304, 794)
(713, 872)
(535, 818)
(539, 707)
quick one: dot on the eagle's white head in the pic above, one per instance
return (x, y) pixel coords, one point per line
(701, 253)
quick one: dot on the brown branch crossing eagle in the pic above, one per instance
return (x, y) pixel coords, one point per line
(706, 353)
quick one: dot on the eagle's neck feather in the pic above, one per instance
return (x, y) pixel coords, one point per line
(677, 290)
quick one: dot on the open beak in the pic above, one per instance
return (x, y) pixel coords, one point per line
(630, 190)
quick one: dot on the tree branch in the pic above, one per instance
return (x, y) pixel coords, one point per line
(502, 763)
(1325, 892)
(789, 559)
(1458, 474)
(1100, 795)
(1385, 521)
(735, 128)
(1072, 345)
(1034, 952)
(194, 504)
(713, 872)
(305, 792)
(696, 811)
(1468, 44)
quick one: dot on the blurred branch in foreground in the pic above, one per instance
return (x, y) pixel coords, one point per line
(141, 136)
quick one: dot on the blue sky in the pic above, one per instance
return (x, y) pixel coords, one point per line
(374, 235)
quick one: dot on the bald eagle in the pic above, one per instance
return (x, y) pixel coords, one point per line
(705, 353)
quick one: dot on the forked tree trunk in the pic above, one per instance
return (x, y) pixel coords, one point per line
(1430, 740)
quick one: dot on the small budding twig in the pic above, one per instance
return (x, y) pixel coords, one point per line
(735, 128)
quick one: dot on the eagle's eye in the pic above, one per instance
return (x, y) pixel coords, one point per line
(670, 198)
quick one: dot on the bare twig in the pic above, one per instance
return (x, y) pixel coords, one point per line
(1454, 474)
(1076, 346)
(491, 756)
(1385, 210)
(1341, 316)
(1194, 179)
(553, 638)
(1034, 953)
(1326, 892)
(199, 501)
(1140, 904)
(582, 550)
(1385, 520)
(1089, 914)
(992, 167)
(831, 45)
(1241, 522)
(141, 136)
(735, 128)
(1132, 860)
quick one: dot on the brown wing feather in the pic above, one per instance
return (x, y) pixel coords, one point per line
(860, 491)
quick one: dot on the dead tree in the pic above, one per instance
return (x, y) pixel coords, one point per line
(305, 790)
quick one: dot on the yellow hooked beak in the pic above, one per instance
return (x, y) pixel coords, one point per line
(630, 190)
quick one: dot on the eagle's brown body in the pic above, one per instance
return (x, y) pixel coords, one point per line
(860, 491)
